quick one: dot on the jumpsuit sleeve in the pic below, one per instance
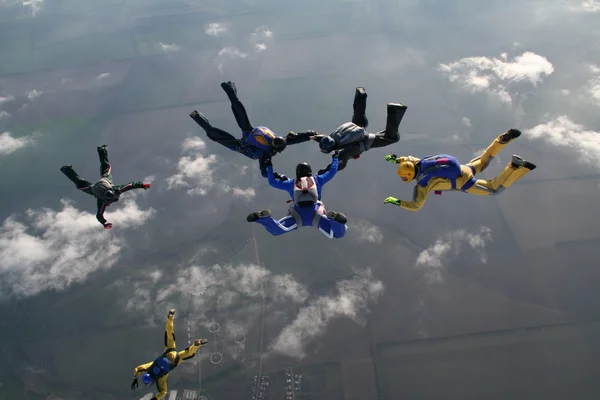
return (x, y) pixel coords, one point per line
(161, 385)
(279, 184)
(299, 137)
(318, 137)
(100, 214)
(419, 198)
(140, 369)
(189, 352)
(129, 186)
(328, 175)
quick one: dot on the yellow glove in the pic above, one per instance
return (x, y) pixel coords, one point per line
(392, 200)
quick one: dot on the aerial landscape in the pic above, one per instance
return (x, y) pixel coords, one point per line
(469, 297)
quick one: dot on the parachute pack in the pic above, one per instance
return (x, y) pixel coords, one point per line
(162, 366)
(438, 166)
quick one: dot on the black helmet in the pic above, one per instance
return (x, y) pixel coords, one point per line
(303, 170)
(279, 144)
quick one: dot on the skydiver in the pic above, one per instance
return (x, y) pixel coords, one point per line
(443, 172)
(352, 139)
(257, 143)
(306, 209)
(104, 190)
(158, 370)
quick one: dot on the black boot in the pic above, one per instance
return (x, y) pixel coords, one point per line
(360, 108)
(229, 87)
(510, 135)
(256, 215)
(336, 216)
(201, 120)
(518, 162)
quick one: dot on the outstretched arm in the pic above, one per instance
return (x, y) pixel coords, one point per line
(419, 198)
(132, 185)
(140, 369)
(300, 137)
(100, 214)
(328, 175)
(287, 185)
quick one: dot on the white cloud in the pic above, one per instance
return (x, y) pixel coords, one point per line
(351, 301)
(260, 37)
(195, 170)
(566, 92)
(34, 94)
(366, 233)
(169, 48)
(4, 115)
(10, 144)
(593, 89)
(431, 258)
(466, 122)
(56, 249)
(216, 29)
(562, 132)
(494, 75)
(247, 193)
(34, 5)
(228, 54)
(260, 47)
(594, 69)
(590, 5)
(6, 99)
(103, 75)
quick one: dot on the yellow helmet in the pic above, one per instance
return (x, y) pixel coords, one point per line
(406, 171)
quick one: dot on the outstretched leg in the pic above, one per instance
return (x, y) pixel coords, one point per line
(514, 171)
(360, 108)
(395, 113)
(216, 134)
(81, 184)
(480, 163)
(274, 227)
(170, 331)
(333, 225)
(241, 116)
(105, 168)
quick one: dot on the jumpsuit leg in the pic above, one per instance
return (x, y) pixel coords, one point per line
(360, 108)
(505, 179)
(276, 228)
(81, 184)
(216, 134)
(480, 163)
(105, 168)
(331, 228)
(395, 113)
(239, 112)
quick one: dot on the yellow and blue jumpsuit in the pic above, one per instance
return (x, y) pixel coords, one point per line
(467, 182)
(189, 352)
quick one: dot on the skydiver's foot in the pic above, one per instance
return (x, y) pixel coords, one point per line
(509, 135)
(66, 167)
(360, 92)
(103, 147)
(171, 313)
(336, 216)
(518, 162)
(256, 215)
(229, 87)
(201, 120)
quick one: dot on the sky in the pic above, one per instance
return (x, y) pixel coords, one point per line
(126, 73)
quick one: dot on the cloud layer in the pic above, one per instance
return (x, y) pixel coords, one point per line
(52, 250)
(494, 75)
(431, 260)
(10, 144)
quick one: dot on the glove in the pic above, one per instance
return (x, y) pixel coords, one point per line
(134, 384)
(108, 225)
(391, 158)
(392, 200)
(291, 133)
(268, 163)
(199, 342)
(146, 186)
(335, 154)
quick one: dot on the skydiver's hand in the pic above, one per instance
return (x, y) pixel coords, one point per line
(335, 154)
(134, 384)
(392, 158)
(108, 225)
(268, 163)
(392, 200)
(199, 342)
(146, 186)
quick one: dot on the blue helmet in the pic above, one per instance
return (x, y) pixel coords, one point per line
(146, 379)
(327, 144)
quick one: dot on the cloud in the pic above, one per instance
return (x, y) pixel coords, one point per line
(260, 37)
(431, 258)
(6, 99)
(466, 122)
(169, 48)
(53, 250)
(4, 115)
(564, 133)
(34, 94)
(248, 193)
(103, 76)
(216, 29)
(194, 170)
(9, 144)
(351, 301)
(366, 233)
(590, 5)
(228, 54)
(494, 75)
(34, 6)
